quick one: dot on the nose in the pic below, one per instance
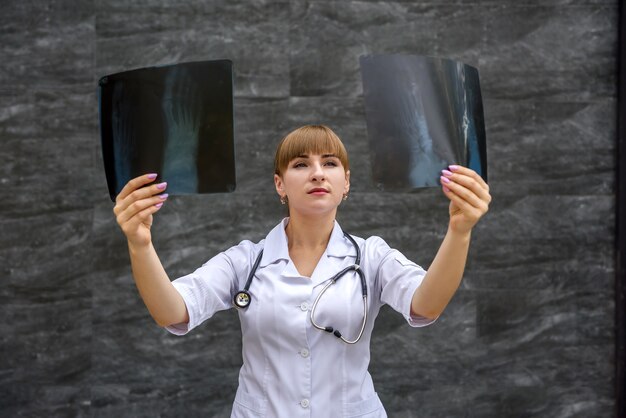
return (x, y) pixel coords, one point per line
(317, 172)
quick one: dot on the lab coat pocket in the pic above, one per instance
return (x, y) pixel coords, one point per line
(369, 408)
(247, 406)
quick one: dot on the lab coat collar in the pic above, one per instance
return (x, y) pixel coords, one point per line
(339, 245)
(276, 248)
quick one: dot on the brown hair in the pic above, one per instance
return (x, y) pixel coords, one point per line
(309, 139)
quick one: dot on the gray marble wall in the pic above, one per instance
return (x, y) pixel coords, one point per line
(529, 333)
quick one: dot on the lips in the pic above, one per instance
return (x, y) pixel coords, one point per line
(318, 190)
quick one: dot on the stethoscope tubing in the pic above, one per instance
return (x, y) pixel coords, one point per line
(335, 332)
(243, 298)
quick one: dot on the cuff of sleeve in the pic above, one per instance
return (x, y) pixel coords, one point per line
(419, 321)
(416, 321)
(183, 328)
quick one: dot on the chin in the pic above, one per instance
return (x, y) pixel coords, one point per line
(313, 210)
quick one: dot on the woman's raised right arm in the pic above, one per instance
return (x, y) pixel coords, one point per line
(134, 207)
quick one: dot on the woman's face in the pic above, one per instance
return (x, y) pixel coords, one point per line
(313, 183)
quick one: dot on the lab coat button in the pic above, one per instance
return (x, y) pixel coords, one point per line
(304, 353)
(304, 306)
(304, 403)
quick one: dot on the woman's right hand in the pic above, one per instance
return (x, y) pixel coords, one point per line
(135, 205)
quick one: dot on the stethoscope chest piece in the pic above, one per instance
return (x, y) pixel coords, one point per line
(242, 299)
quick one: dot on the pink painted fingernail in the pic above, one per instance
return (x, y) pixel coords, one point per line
(152, 176)
(447, 173)
(445, 179)
(162, 186)
(158, 205)
(164, 196)
(446, 189)
(453, 167)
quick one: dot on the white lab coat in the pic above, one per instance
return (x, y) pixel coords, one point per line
(291, 369)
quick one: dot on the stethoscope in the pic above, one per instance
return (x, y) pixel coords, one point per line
(243, 298)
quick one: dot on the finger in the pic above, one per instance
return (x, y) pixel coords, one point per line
(134, 184)
(145, 214)
(469, 172)
(464, 193)
(469, 182)
(139, 194)
(138, 206)
(141, 217)
(464, 205)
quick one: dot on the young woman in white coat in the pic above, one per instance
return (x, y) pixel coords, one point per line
(306, 337)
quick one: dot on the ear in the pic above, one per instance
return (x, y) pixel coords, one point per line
(346, 188)
(280, 186)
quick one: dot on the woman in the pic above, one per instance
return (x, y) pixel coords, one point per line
(304, 355)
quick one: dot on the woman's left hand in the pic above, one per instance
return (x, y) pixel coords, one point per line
(469, 197)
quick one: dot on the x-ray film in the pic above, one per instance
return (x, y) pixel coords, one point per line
(176, 121)
(423, 114)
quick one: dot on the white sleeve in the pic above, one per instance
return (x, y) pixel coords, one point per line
(211, 287)
(397, 279)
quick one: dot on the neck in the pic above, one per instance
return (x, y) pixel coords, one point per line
(309, 232)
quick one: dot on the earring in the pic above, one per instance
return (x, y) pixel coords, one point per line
(283, 200)
(345, 196)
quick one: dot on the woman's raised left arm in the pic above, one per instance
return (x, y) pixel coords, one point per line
(469, 201)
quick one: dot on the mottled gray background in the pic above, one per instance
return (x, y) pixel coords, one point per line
(529, 333)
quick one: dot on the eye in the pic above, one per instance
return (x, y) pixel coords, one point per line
(331, 163)
(299, 164)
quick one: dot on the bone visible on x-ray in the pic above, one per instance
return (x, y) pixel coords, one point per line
(422, 160)
(415, 130)
(124, 131)
(420, 118)
(439, 92)
(183, 121)
(429, 157)
(175, 120)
